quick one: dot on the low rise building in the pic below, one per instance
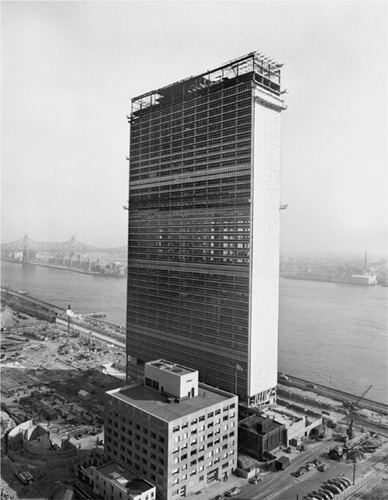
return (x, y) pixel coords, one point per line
(112, 481)
(263, 432)
(174, 432)
(363, 279)
(259, 435)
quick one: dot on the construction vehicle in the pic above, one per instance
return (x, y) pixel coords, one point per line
(336, 453)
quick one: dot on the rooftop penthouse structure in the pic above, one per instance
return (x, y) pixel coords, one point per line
(203, 244)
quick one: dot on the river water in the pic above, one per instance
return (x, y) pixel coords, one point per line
(328, 332)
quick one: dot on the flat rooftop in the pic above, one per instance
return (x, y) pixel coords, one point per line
(252, 422)
(124, 478)
(154, 403)
(285, 417)
(168, 366)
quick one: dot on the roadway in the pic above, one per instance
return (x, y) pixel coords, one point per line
(336, 394)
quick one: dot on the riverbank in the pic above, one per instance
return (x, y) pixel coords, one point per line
(25, 303)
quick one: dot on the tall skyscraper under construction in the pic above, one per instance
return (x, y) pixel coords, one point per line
(203, 244)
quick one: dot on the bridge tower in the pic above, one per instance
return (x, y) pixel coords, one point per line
(25, 249)
(72, 246)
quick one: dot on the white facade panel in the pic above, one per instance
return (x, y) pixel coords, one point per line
(264, 299)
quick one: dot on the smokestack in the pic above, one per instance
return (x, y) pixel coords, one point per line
(365, 267)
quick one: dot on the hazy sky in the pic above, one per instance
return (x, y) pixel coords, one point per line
(69, 70)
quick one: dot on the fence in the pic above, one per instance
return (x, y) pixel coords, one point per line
(360, 483)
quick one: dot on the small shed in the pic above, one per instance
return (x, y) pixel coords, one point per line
(282, 462)
(84, 395)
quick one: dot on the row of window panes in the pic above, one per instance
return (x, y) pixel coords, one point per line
(223, 98)
(207, 122)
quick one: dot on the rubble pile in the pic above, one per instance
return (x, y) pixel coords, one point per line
(5, 494)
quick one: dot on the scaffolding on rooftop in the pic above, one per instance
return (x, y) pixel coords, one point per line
(267, 73)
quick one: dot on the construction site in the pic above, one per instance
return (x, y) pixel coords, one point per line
(53, 380)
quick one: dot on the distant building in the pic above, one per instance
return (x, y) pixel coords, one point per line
(203, 247)
(175, 433)
(363, 279)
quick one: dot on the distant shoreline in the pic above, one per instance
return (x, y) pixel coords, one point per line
(63, 268)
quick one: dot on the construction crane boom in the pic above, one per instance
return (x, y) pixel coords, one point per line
(362, 395)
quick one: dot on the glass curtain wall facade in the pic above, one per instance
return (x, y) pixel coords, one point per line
(190, 223)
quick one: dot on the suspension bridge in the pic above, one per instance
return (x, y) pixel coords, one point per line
(70, 247)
